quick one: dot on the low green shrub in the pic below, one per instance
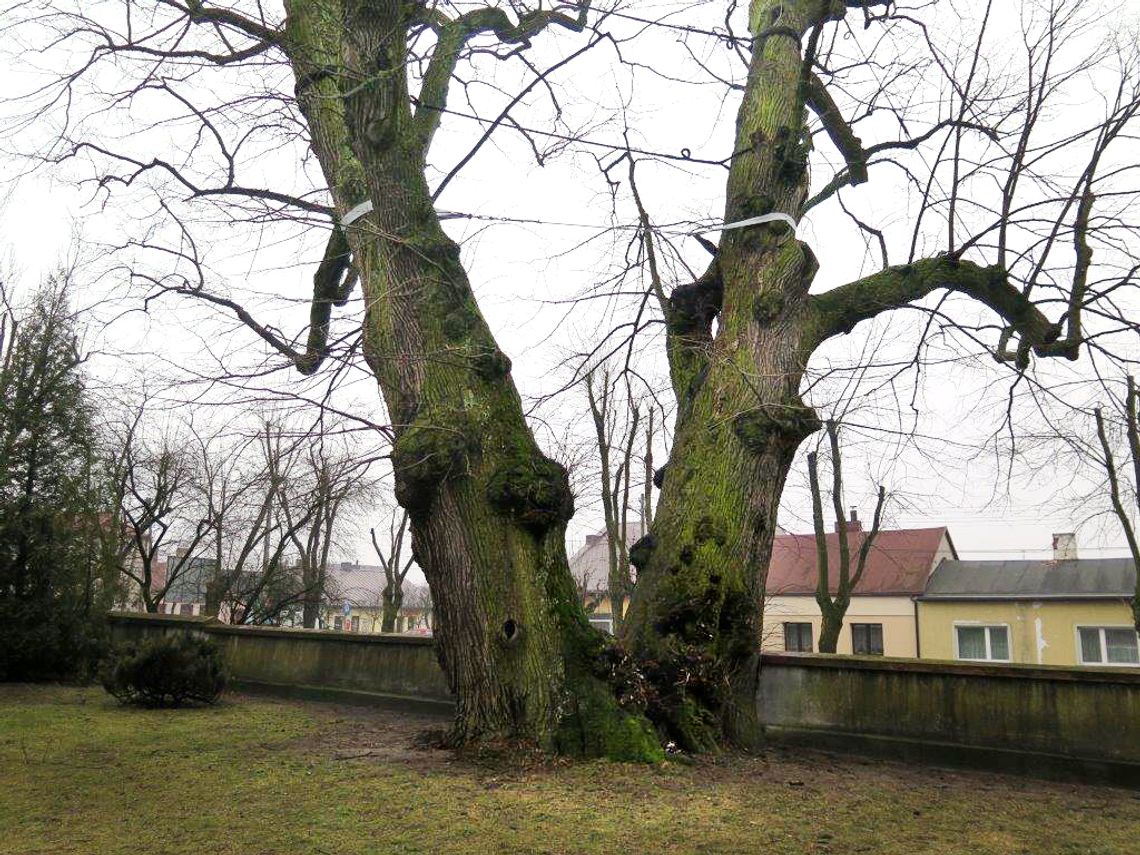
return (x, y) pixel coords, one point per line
(166, 671)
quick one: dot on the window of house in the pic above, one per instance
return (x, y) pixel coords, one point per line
(603, 622)
(797, 637)
(867, 639)
(983, 643)
(338, 622)
(356, 624)
(186, 609)
(1108, 645)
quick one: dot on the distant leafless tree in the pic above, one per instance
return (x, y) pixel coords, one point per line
(616, 429)
(159, 485)
(1116, 492)
(396, 568)
(332, 481)
(834, 607)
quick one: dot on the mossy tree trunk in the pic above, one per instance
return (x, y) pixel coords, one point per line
(696, 612)
(487, 509)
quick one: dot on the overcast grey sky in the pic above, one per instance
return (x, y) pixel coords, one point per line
(948, 470)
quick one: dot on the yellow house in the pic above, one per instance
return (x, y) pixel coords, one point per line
(1065, 611)
(881, 619)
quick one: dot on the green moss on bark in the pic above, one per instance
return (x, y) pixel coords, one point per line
(533, 490)
(642, 550)
(492, 364)
(434, 447)
(767, 306)
(594, 725)
(790, 423)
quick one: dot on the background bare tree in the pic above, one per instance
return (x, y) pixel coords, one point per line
(617, 422)
(254, 579)
(1116, 491)
(162, 510)
(396, 568)
(834, 607)
(325, 484)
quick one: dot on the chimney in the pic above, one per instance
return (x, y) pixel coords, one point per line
(853, 524)
(1065, 546)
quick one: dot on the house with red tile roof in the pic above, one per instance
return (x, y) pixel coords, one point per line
(882, 618)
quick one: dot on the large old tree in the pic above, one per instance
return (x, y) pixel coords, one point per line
(1012, 207)
(741, 336)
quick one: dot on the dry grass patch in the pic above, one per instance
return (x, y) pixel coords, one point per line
(80, 774)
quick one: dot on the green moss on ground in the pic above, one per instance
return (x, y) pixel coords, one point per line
(79, 774)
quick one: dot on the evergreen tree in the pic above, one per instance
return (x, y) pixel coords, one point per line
(53, 587)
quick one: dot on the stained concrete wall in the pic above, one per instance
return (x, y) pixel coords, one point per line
(1050, 721)
(392, 670)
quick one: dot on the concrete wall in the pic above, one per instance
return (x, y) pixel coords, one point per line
(1063, 722)
(1049, 721)
(1040, 633)
(894, 613)
(391, 670)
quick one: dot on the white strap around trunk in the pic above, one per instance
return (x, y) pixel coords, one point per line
(776, 217)
(365, 207)
(357, 212)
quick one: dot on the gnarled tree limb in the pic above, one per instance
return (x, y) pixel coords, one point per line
(839, 310)
(454, 33)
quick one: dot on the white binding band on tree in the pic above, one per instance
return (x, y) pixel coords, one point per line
(357, 212)
(365, 207)
(755, 221)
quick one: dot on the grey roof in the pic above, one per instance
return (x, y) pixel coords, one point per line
(1032, 580)
(361, 584)
(590, 565)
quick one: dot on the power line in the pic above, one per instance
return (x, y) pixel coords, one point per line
(685, 155)
(680, 228)
(721, 35)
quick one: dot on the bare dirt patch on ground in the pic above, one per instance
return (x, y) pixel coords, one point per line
(355, 732)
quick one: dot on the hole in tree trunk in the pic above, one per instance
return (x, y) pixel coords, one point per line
(510, 629)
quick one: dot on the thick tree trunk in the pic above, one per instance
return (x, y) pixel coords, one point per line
(488, 510)
(696, 612)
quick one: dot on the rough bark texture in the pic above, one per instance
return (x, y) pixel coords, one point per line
(696, 610)
(488, 510)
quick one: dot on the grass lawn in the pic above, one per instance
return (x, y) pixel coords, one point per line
(78, 773)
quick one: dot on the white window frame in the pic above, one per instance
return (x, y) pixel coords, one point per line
(602, 622)
(1103, 645)
(983, 624)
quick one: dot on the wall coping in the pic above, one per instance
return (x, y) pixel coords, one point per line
(1010, 671)
(154, 617)
(216, 627)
